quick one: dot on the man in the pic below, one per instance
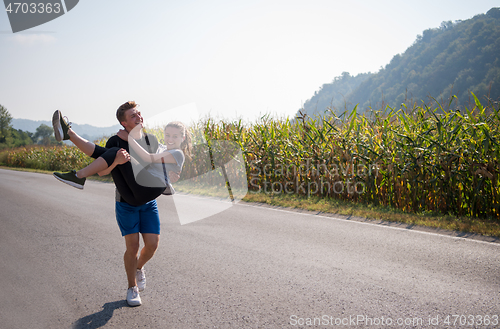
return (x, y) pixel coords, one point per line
(134, 219)
(139, 214)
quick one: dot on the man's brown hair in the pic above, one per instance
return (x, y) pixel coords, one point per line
(120, 113)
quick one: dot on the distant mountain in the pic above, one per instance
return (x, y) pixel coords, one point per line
(333, 95)
(88, 132)
(455, 59)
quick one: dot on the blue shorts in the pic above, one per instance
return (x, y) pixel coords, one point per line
(138, 219)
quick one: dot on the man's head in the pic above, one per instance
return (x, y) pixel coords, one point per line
(128, 115)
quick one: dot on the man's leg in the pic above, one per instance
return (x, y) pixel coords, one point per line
(130, 257)
(128, 218)
(151, 242)
(150, 229)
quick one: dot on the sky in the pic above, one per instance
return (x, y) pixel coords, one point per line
(228, 59)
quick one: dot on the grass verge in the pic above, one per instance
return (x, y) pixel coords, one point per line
(484, 227)
(96, 177)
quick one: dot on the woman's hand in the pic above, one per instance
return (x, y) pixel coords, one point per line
(123, 134)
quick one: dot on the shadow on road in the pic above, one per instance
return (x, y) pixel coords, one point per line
(99, 319)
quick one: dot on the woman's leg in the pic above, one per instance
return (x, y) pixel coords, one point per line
(132, 192)
(96, 166)
(104, 158)
(84, 145)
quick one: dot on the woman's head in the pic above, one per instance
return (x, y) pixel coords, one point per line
(177, 136)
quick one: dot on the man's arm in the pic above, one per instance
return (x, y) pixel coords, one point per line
(124, 178)
(121, 157)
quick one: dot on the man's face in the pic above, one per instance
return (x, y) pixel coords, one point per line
(132, 118)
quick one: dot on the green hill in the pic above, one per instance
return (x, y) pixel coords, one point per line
(455, 59)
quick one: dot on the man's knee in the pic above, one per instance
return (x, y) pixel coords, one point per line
(151, 241)
(132, 249)
(132, 243)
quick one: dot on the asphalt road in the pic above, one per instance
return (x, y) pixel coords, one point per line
(245, 267)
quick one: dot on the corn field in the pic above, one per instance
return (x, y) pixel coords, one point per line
(55, 158)
(416, 159)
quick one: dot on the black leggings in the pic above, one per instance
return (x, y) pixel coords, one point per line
(131, 192)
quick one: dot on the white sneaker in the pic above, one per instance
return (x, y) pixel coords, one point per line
(133, 298)
(140, 278)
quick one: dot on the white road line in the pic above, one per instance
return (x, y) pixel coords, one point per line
(246, 204)
(373, 224)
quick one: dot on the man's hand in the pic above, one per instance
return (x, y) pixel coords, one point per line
(122, 156)
(174, 177)
(123, 134)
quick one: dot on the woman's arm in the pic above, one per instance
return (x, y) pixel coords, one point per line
(143, 154)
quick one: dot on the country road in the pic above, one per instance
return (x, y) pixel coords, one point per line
(246, 267)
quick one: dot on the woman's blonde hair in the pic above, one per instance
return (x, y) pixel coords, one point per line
(186, 145)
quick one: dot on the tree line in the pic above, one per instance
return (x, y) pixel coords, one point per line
(10, 137)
